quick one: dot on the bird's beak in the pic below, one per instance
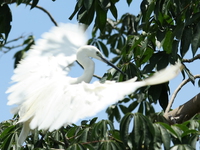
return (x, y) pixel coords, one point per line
(110, 64)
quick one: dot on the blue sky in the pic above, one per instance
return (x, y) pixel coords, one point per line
(36, 22)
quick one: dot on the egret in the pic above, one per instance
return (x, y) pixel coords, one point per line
(47, 98)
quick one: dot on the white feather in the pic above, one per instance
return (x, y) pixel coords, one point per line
(48, 99)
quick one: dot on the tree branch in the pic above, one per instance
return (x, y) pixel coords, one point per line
(176, 92)
(184, 112)
(39, 7)
(192, 59)
(96, 76)
(44, 10)
(8, 48)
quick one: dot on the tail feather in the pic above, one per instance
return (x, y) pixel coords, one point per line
(164, 75)
(24, 133)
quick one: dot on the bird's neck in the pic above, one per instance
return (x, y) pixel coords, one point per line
(87, 75)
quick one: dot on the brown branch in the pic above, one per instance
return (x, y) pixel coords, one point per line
(192, 59)
(176, 92)
(39, 7)
(98, 141)
(58, 142)
(13, 40)
(96, 76)
(184, 112)
(8, 48)
(44, 10)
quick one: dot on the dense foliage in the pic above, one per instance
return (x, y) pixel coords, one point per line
(160, 34)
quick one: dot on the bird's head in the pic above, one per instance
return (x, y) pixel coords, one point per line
(92, 51)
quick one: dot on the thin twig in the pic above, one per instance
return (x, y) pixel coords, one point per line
(16, 39)
(98, 141)
(58, 142)
(9, 48)
(176, 92)
(96, 76)
(41, 8)
(44, 10)
(192, 59)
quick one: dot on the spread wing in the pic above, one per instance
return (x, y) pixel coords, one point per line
(42, 91)
(56, 104)
(51, 57)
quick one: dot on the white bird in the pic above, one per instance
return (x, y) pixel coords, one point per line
(48, 99)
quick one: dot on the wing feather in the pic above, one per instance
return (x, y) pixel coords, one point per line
(50, 57)
(60, 104)
(43, 94)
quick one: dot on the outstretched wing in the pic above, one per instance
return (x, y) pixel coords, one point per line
(49, 58)
(57, 105)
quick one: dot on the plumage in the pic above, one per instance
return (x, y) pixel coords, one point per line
(48, 99)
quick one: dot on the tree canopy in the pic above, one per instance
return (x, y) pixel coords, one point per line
(160, 34)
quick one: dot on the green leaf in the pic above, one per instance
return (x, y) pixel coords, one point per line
(81, 14)
(104, 48)
(76, 146)
(196, 39)
(113, 10)
(160, 36)
(34, 3)
(154, 92)
(109, 145)
(163, 61)
(132, 106)
(88, 4)
(5, 22)
(148, 68)
(147, 8)
(141, 108)
(7, 131)
(20, 54)
(116, 135)
(110, 112)
(124, 109)
(170, 129)
(175, 47)
(102, 128)
(8, 136)
(163, 98)
(199, 83)
(137, 129)
(77, 7)
(117, 114)
(167, 45)
(124, 126)
(128, 2)
(193, 140)
(93, 121)
(190, 75)
(73, 131)
(178, 31)
(101, 17)
(165, 137)
(84, 135)
(182, 147)
(185, 41)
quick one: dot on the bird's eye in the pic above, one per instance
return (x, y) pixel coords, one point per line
(97, 53)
